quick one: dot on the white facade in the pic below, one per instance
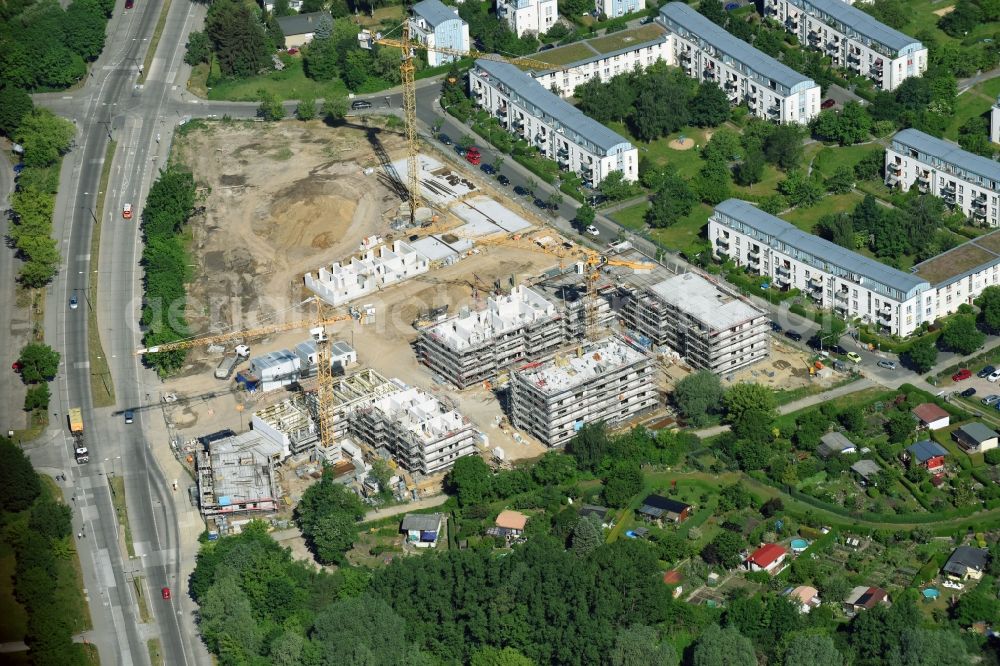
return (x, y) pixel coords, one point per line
(995, 122)
(559, 130)
(436, 24)
(376, 269)
(968, 182)
(528, 16)
(616, 8)
(852, 39)
(834, 277)
(706, 52)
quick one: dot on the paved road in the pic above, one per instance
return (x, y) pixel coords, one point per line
(12, 417)
(965, 84)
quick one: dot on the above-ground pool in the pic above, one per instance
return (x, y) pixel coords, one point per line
(798, 545)
(730, 6)
(931, 593)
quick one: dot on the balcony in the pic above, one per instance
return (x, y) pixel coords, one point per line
(792, 24)
(894, 167)
(853, 59)
(587, 168)
(816, 283)
(979, 214)
(782, 270)
(563, 152)
(722, 242)
(840, 296)
(891, 179)
(685, 56)
(774, 110)
(979, 204)
(518, 124)
(770, 10)
(878, 65)
(832, 45)
(709, 73)
(814, 37)
(783, 280)
(502, 111)
(541, 138)
(754, 256)
(731, 84)
(876, 72)
(816, 295)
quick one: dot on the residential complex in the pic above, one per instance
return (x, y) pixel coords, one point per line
(476, 346)
(435, 24)
(834, 277)
(616, 8)
(374, 270)
(235, 474)
(852, 39)
(706, 52)
(558, 129)
(960, 274)
(708, 326)
(607, 381)
(417, 430)
(964, 180)
(528, 16)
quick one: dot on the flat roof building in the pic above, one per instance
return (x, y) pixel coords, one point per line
(607, 381)
(852, 39)
(708, 326)
(559, 130)
(706, 52)
(236, 475)
(966, 181)
(832, 276)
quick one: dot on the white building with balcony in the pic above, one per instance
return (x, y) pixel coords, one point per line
(706, 52)
(835, 278)
(616, 8)
(966, 181)
(559, 130)
(528, 16)
(435, 24)
(852, 39)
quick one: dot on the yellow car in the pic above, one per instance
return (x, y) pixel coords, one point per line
(854, 357)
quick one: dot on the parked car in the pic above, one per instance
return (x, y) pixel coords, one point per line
(520, 191)
(776, 327)
(994, 376)
(593, 231)
(487, 169)
(961, 375)
(837, 349)
(292, 51)
(888, 365)
(855, 357)
(986, 372)
(129, 416)
(360, 104)
(793, 335)
(540, 203)
(445, 139)
(828, 104)
(16, 367)
(129, 4)
(991, 399)
(546, 47)
(968, 393)
(503, 180)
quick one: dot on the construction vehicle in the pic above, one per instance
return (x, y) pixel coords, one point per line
(80, 452)
(230, 361)
(407, 70)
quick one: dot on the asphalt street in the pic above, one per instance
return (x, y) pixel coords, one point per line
(12, 417)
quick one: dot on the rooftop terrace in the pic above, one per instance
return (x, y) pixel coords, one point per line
(588, 49)
(960, 261)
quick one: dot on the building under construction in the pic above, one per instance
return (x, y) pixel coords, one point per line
(610, 380)
(236, 474)
(422, 434)
(709, 327)
(477, 345)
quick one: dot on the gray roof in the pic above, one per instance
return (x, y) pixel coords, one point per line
(862, 23)
(866, 468)
(949, 152)
(925, 449)
(435, 12)
(967, 557)
(699, 26)
(820, 248)
(421, 522)
(834, 442)
(699, 298)
(977, 432)
(273, 359)
(340, 347)
(301, 24)
(552, 105)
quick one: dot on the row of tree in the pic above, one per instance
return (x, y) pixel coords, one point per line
(38, 364)
(166, 265)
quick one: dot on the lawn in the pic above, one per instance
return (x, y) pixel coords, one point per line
(767, 185)
(687, 231)
(972, 103)
(289, 84)
(620, 40)
(806, 218)
(633, 217)
(392, 14)
(563, 55)
(831, 158)
(688, 162)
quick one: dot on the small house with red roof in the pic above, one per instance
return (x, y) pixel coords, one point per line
(768, 557)
(931, 416)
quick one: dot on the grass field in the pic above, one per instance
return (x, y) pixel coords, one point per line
(620, 40)
(687, 231)
(830, 158)
(289, 84)
(806, 218)
(632, 217)
(976, 101)
(688, 162)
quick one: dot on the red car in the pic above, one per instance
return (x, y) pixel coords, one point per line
(16, 366)
(961, 375)
(828, 104)
(165, 592)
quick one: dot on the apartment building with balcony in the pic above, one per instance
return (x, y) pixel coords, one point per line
(852, 39)
(835, 278)
(708, 326)
(616, 8)
(706, 52)
(559, 130)
(960, 274)
(528, 16)
(607, 381)
(968, 182)
(435, 24)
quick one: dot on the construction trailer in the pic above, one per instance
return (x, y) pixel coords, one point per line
(611, 380)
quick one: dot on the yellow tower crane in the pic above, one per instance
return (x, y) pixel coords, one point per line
(407, 70)
(324, 397)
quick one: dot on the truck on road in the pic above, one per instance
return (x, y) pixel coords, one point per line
(80, 451)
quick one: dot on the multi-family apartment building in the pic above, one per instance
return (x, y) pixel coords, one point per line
(706, 52)
(995, 122)
(558, 129)
(852, 39)
(708, 326)
(477, 345)
(528, 16)
(607, 381)
(960, 274)
(608, 56)
(967, 181)
(435, 24)
(615, 8)
(834, 277)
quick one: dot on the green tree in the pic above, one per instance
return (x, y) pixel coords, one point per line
(751, 169)
(622, 482)
(333, 535)
(86, 22)
(852, 419)
(199, 48)
(334, 107)
(272, 30)
(837, 228)
(39, 362)
(709, 106)
(754, 425)
(800, 189)
(587, 536)
(900, 426)
(45, 137)
(674, 199)
(922, 355)
(735, 496)
(15, 104)
(237, 37)
(961, 335)
(842, 180)
(589, 446)
(270, 106)
(783, 146)
(744, 396)
(470, 480)
(639, 645)
(988, 303)
(723, 647)
(713, 11)
(615, 187)
(19, 484)
(364, 630)
(51, 520)
(711, 185)
(37, 397)
(724, 550)
(812, 649)
(491, 656)
(585, 215)
(699, 396)
(306, 109)
(870, 166)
